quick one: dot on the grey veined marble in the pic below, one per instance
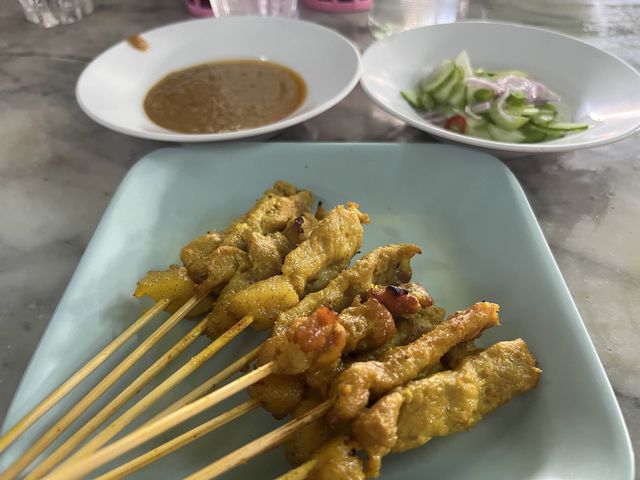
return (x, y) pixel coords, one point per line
(58, 171)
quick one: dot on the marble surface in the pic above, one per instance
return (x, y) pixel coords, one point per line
(58, 171)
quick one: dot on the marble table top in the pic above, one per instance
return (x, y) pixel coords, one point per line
(58, 171)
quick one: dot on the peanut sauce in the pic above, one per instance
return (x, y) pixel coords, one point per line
(225, 96)
(139, 43)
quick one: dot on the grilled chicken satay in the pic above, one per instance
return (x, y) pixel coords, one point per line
(337, 459)
(446, 402)
(314, 386)
(410, 415)
(354, 386)
(271, 213)
(331, 244)
(312, 343)
(266, 254)
(385, 265)
(220, 255)
(317, 348)
(280, 394)
(317, 341)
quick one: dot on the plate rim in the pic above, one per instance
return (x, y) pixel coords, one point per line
(543, 147)
(287, 122)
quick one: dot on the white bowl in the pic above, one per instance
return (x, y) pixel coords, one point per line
(112, 88)
(598, 87)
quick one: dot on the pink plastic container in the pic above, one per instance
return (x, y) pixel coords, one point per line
(199, 8)
(338, 6)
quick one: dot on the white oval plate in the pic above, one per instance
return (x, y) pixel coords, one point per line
(112, 88)
(598, 87)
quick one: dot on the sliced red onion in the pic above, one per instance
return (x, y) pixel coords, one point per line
(469, 111)
(434, 117)
(535, 92)
(481, 82)
(480, 107)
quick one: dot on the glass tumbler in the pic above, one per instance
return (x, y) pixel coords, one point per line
(390, 16)
(264, 8)
(49, 13)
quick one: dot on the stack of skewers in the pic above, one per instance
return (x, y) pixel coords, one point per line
(359, 356)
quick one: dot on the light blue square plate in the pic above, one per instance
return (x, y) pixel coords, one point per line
(480, 240)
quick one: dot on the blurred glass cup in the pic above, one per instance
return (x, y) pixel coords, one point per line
(49, 13)
(263, 8)
(390, 16)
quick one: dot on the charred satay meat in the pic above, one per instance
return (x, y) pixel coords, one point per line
(217, 257)
(311, 343)
(354, 386)
(266, 254)
(311, 351)
(271, 213)
(446, 402)
(385, 265)
(333, 241)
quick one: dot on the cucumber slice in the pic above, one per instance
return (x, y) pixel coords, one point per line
(543, 118)
(502, 135)
(426, 101)
(438, 77)
(462, 61)
(482, 95)
(444, 91)
(411, 96)
(480, 132)
(524, 111)
(515, 98)
(550, 134)
(504, 120)
(567, 126)
(532, 134)
(549, 107)
(456, 99)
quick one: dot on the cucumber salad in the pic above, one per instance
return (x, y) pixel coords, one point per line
(506, 106)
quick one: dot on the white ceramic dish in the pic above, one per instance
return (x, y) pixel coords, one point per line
(599, 88)
(481, 242)
(112, 88)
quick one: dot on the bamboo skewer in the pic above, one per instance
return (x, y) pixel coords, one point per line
(209, 385)
(300, 472)
(78, 437)
(60, 392)
(80, 407)
(180, 441)
(259, 445)
(83, 466)
(157, 393)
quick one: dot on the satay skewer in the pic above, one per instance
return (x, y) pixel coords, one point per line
(59, 393)
(209, 385)
(83, 466)
(341, 219)
(268, 203)
(123, 397)
(143, 404)
(197, 432)
(180, 441)
(260, 445)
(81, 406)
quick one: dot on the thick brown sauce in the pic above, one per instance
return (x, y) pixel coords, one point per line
(225, 96)
(139, 43)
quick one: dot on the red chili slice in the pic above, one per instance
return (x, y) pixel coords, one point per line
(457, 124)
